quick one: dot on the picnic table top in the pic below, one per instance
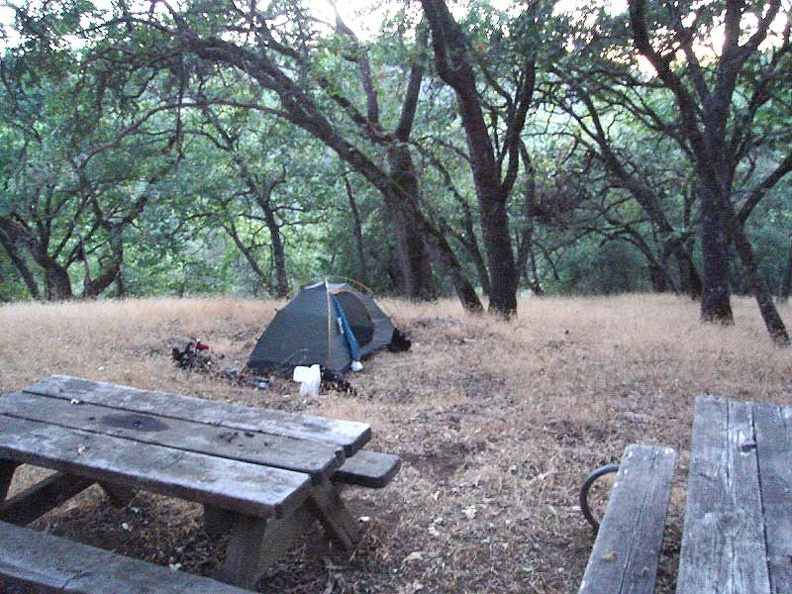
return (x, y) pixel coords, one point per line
(737, 535)
(248, 460)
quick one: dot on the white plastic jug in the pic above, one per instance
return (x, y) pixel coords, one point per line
(310, 379)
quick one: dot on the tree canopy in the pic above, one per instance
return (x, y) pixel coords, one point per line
(470, 148)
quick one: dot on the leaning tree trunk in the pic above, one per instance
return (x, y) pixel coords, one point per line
(764, 297)
(456, 71)
(8, 241)
(465, 291)
(762, 293)
(357, 230)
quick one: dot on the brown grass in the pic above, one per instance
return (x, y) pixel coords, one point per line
(498, 424)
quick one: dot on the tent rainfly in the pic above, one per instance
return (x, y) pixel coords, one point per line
(329, 324)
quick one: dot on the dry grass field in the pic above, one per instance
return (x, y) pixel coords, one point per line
(497, 423)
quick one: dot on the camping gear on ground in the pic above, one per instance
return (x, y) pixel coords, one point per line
(329, 324)
(195, 356)
(310, 378)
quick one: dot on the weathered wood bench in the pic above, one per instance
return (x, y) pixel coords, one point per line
(32, 561)
(368, 469)
(737, 535)
(627, 548)
(262, 475)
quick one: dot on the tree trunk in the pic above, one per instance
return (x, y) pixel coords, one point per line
(526, 256)
(492, 206)
(278, 251)
(455, 70)
(715, 298)
(689, 279)
(357, 229)
(57, 281)
(786, 283)
(9, 244)
(407, 221)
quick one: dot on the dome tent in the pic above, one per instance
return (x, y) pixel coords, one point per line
(329, 324)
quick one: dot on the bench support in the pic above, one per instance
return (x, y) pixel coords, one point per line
(256, 543)
(629, 540)
(7, 468)
(44, 496)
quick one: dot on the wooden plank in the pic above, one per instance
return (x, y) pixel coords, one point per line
(723, 546)
(368, 469)
(315, 458)
(350, 435)
(627, 548)
(44, 496)
(39, 562)
(230, 484)
(774, 450)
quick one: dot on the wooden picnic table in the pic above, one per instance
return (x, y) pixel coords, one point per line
(737, 535)
(265, 475)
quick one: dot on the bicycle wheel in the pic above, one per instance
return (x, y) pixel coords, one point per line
(595, 492)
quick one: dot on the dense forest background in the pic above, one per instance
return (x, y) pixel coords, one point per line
(474, 148)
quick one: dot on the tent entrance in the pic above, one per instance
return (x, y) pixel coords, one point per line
(357, 316)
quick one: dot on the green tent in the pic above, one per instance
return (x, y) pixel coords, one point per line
(330, 324)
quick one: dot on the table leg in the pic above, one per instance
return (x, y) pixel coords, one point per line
(42, 497)
(118, 495)
(328, 507)
(217, 521)
(7, 468)
(256, 543)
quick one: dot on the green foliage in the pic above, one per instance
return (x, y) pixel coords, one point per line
(117, 143)
(596, 269)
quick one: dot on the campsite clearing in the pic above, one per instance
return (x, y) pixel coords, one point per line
(497, 425)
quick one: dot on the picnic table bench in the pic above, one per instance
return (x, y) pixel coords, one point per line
(737, 533)
(629, 539)
(264, 475)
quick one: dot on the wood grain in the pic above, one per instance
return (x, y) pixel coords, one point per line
(319, 459)
(773, 426)
(627, 548)
(723, 545)
(52, 564)
(350, 435)
(230, 484)
(368, 469)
